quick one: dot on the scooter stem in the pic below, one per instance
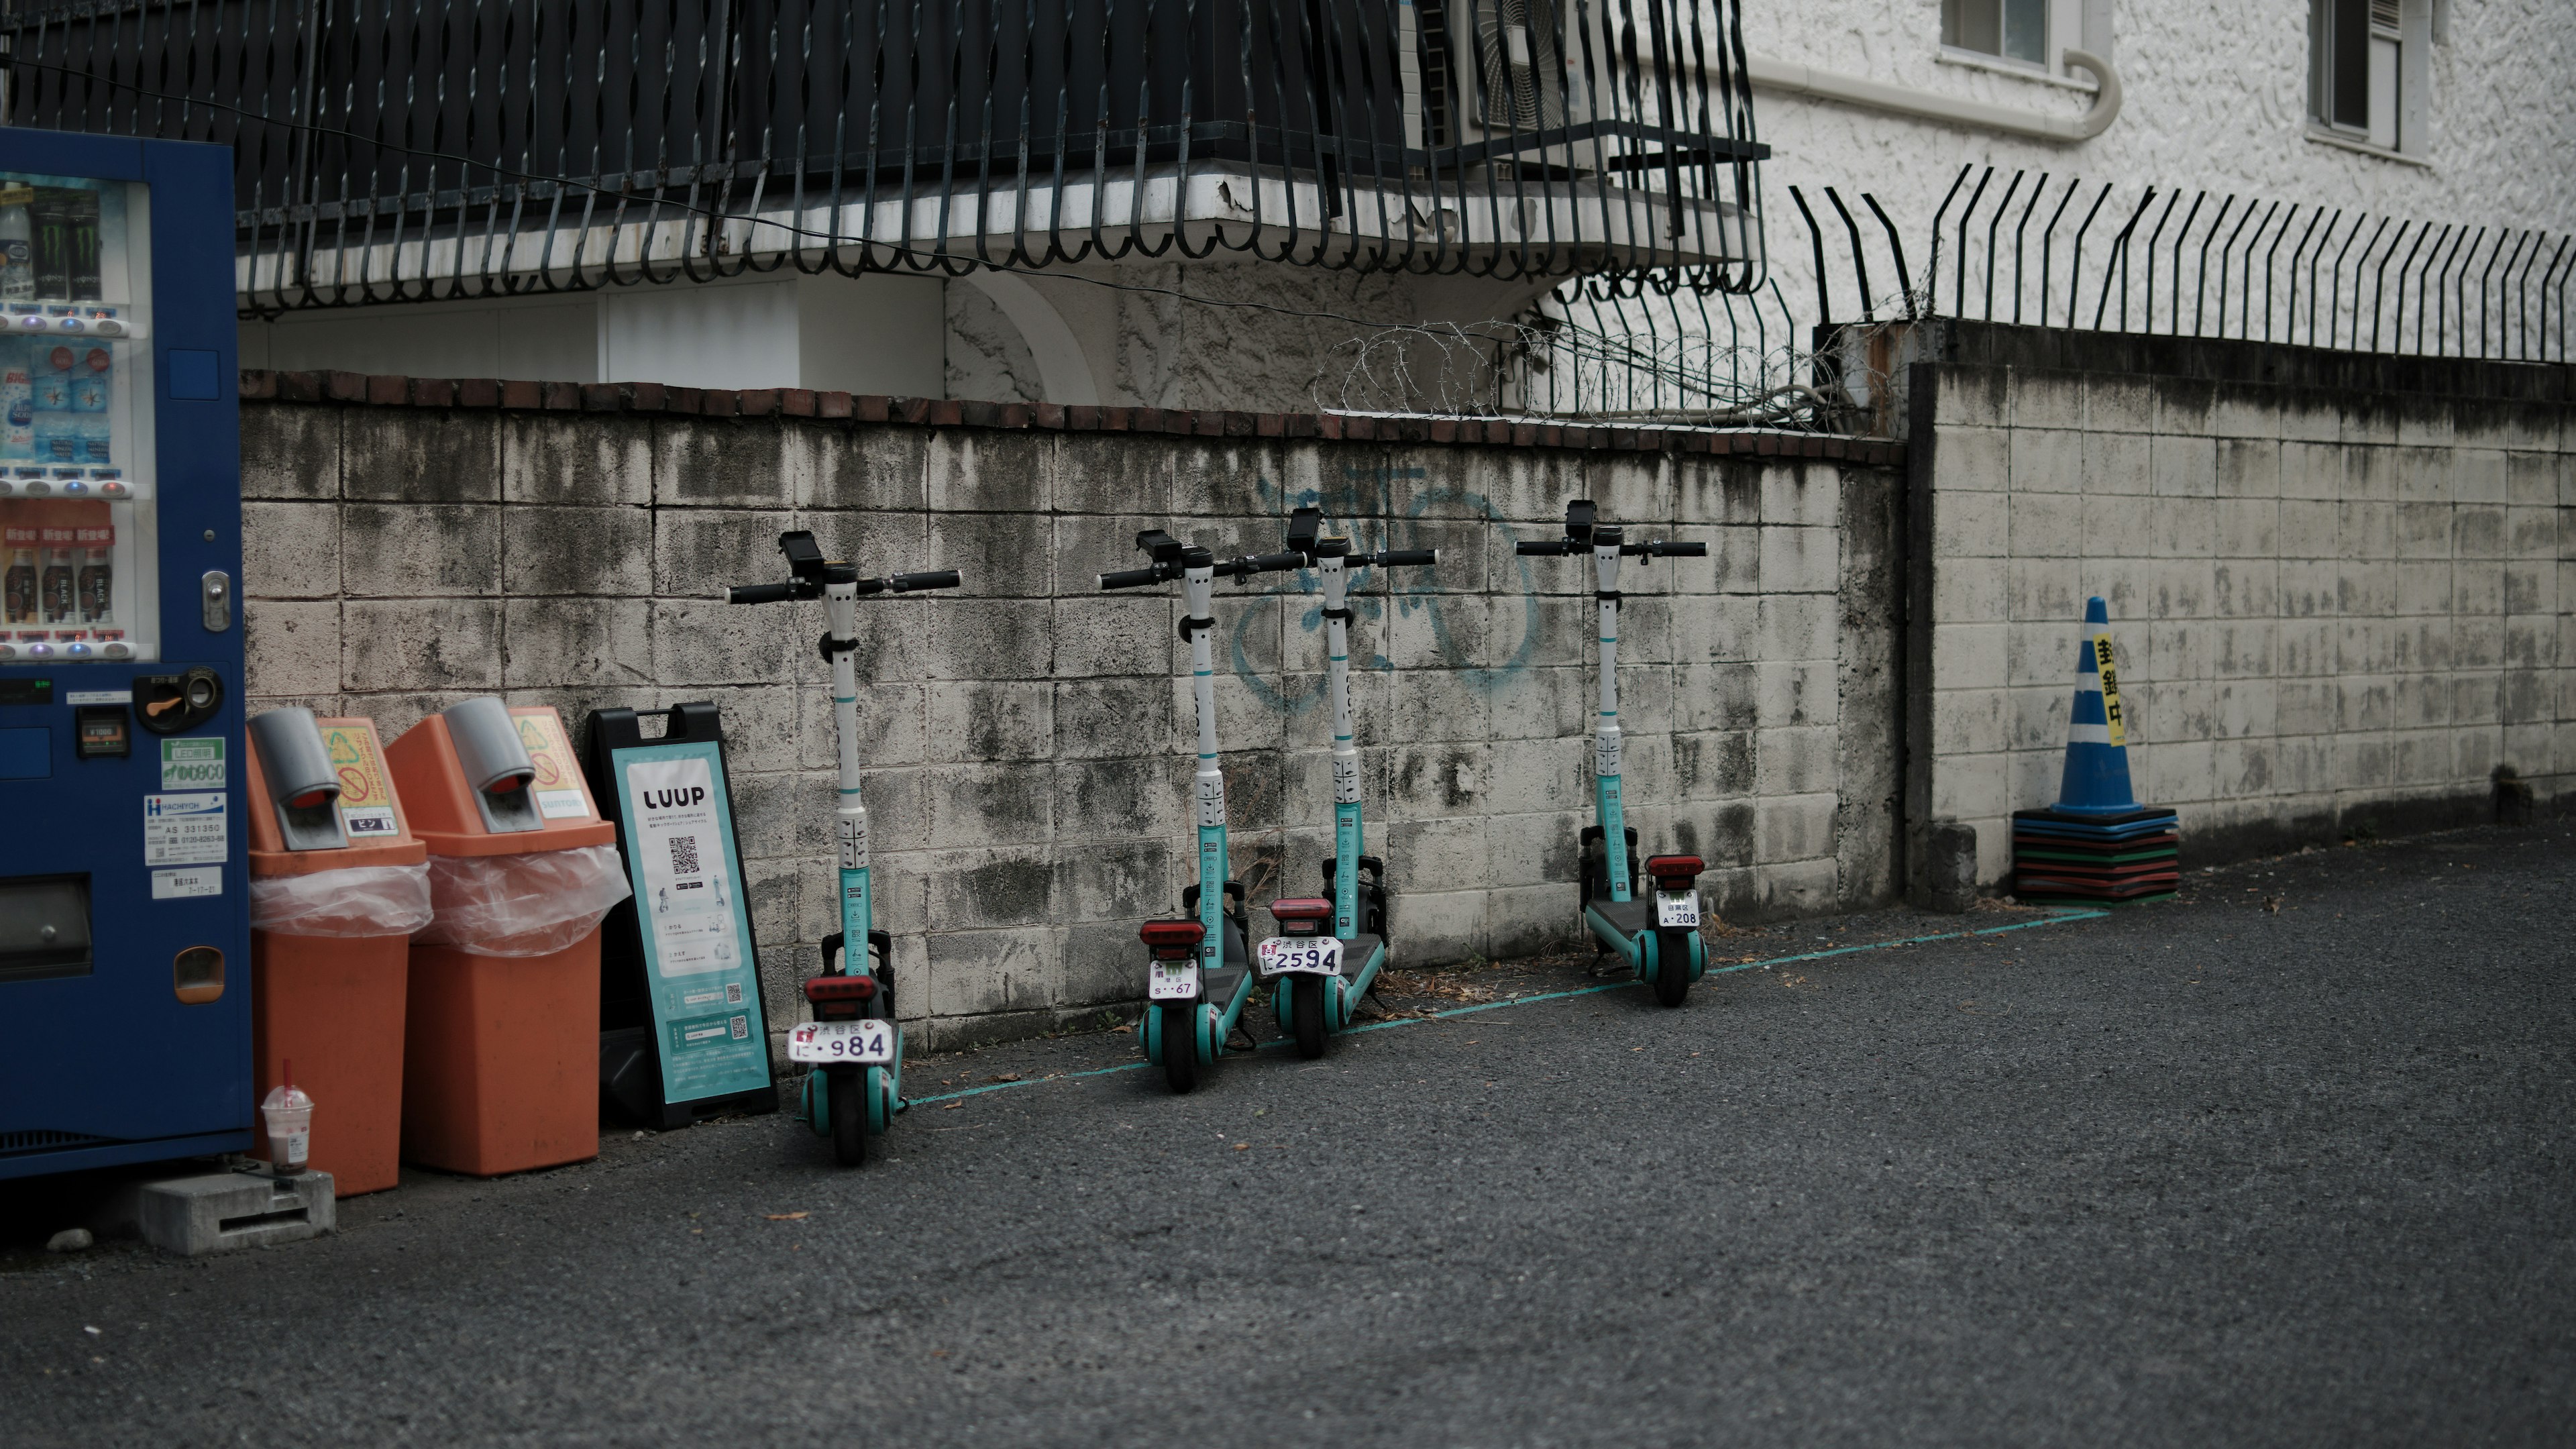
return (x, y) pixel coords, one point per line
(1606, 805)
(840, 615)
(1198, 587)
(1346, 756)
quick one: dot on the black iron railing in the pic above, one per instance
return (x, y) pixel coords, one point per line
(411, 149)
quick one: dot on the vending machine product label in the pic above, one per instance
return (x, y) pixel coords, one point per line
(180, 885)
(696, 927)
(366, 802)
(184, 830)
(196, 764)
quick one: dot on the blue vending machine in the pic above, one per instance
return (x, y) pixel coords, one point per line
(124, 932)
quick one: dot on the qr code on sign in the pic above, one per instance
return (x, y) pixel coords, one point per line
(684, 855)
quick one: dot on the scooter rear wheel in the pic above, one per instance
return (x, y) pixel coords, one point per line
(1306, 1008)
(849, 1112)
(1179, 1031)
(1672, 967)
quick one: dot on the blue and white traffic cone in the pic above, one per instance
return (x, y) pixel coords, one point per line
(2097, 744)
(2097, 843)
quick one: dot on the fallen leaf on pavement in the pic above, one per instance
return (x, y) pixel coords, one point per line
(788, 1217)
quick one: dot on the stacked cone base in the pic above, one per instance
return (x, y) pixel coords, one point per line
(2123, 858)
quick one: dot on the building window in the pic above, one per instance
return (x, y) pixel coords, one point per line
(2006, 29)
(2356, 62)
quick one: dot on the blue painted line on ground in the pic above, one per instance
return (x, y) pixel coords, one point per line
(2057, 917)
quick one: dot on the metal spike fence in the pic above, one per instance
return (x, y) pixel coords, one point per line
(2039, 249)
(2065, 252)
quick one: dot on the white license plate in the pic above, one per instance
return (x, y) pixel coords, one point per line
(1676, 908)
(864, 1043)
(1172, 981)
(1315, 955)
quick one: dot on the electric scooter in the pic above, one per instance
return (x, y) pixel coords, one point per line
(853, 1048)
(1659, 939)
(1319, 978)
(1197, 975)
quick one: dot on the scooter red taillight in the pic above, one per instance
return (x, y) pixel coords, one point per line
(840, 998)
(1675, 872)
(1172, 940)
(1302, 916)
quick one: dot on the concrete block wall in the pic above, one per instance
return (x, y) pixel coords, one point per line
(1025, 740)
(2339, 600)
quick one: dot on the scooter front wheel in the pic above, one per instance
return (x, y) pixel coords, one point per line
(1179, 1032)
(1672, 967)
(1306, 1007)
(849, 1113)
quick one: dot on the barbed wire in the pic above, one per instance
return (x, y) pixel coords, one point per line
(1676, 356)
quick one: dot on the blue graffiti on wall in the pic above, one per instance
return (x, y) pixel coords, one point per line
(1363, 505)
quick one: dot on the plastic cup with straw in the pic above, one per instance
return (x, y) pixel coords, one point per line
(289, 1114)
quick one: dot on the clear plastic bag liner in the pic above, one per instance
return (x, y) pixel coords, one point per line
(362, 900)
(522, 905)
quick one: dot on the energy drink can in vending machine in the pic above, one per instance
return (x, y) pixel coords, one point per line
(92, 437)
(83, 218)
(17, 402)
(57, 588)
(50, 219)
(94, 530)
(18, 584)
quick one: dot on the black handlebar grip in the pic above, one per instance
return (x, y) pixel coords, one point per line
(1409, 556)
(932, 579)
(1682, 550)
(1275, 562)
(1553, 545)
(760, 593)
(1131, 578)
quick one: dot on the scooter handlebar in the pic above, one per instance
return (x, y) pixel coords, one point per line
(760, 593)
(1131, 578)
(1397, 557)
(1547, 546)
(1674, 550)
(931, 579)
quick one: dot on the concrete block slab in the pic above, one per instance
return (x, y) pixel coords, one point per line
(222, 1212)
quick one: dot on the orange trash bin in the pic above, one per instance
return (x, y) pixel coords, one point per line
(501, 1058)
(337, 887)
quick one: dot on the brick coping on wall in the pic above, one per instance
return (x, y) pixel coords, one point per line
(360, 389)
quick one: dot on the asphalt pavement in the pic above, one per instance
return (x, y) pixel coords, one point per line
(2285, 1162)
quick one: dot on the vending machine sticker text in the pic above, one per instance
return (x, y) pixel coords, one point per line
(192, 764)
(184, 830)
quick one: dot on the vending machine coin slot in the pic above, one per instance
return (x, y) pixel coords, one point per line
(99, 732)
(167, 704)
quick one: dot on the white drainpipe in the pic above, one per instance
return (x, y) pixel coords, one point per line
(1852, 90)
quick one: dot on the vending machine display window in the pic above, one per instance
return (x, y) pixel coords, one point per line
(78, 548)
